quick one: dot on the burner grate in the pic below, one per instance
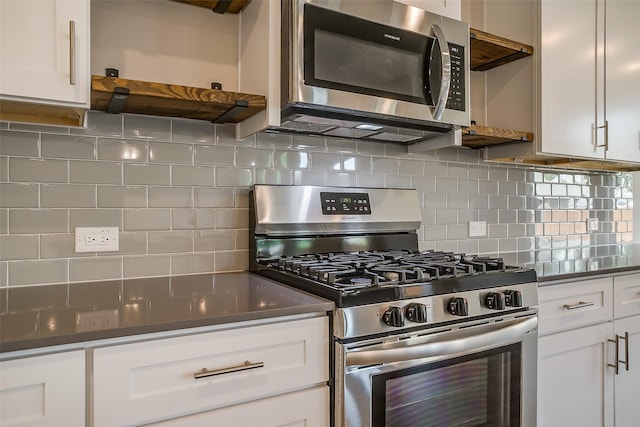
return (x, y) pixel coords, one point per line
(379, 268)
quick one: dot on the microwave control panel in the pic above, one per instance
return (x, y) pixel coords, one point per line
(345, 203)
(456, 97)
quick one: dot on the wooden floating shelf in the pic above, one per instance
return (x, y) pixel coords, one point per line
(219, 6)
(489, 51)
(571, 163)
(481, 136)
(159, 99)
(16, 111)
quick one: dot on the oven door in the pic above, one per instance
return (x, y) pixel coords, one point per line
(475, 374)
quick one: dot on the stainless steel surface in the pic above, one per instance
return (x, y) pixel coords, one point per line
(297, 210)
(581, 304)
(461, 342)
(313, 109)
(445, 80)
(354, 383)
(205, 373)
(625, 362)
(275, 247)
(72, 52)
(606, 135)
(396, 307)
(351, 322)
(626, 351)
(616, 355)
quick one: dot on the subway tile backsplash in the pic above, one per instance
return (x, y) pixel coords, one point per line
(178, 190)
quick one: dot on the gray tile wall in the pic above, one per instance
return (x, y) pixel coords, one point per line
(178, 190)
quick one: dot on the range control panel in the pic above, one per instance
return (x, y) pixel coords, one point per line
(345, 203)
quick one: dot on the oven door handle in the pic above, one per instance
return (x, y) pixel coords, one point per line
(445, 76)
(441, 348)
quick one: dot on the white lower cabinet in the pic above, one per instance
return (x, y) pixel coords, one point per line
(575, 388)
(306, 408)
(577, 381)
(627, 381)
(43, 391)
(152, 381)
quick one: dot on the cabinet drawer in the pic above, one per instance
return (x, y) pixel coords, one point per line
(43, 391)
(626, 295)
(570, 305)
(155, 380)
(309, 408)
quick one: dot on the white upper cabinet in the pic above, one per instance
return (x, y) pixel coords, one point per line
(583, 79)
(568, 78)
(590, 79)
(622, 83)
(44, 53)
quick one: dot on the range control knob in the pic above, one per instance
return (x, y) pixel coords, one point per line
(495, 301)
(416, 312)
(393, 317)
(513, 298)
(458, 306)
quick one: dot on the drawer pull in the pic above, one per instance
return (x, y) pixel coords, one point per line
(244, 367)
(581, 304)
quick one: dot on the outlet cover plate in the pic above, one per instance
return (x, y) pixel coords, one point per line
(97, 239)
(592, 224)
(477, 228)
(87, 321)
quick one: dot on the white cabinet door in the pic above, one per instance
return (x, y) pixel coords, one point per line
(44, 51)
(568, 78)
(623, 80)
(626, 295)
(150, 381)
(575, 389)
(571, 305)
(306, 408)
(627, 382)
(43, 391)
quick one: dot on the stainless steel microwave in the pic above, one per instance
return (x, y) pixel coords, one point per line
(376, 70)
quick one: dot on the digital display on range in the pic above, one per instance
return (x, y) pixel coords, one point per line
(345, 203)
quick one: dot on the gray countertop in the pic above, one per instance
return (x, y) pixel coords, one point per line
(40, 316)
(555, 264)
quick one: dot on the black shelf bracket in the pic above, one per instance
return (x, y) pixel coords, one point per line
(222, 6)
(241, 106)
(112, 72)
(119, 98)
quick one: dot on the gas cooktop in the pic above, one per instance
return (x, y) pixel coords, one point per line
(355, 278)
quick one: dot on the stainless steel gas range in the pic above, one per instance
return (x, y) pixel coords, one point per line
(420, 338)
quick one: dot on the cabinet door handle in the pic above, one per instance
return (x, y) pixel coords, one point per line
(606, 135)
(244, 367)
(72, 52)
(581, 304)
(626, 351)
(625, 362)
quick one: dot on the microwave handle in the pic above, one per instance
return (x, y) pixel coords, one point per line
(445, 80)
(442, 348)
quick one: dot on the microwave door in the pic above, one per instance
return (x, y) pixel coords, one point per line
(438, 73)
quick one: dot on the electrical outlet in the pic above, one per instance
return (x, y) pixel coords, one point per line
(97, 239)
(592, 224)
(477, 228)
(87, 321)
